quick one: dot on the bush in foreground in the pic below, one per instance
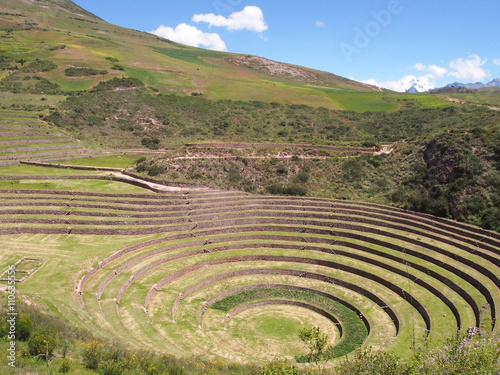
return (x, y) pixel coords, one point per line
(55, 346)
(43, 341)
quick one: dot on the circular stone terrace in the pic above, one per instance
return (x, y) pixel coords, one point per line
(236, 275)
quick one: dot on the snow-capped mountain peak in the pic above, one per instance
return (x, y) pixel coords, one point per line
(415, 84)
(410, 82)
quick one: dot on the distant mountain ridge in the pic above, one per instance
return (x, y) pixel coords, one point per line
(416, 86)
(478, 85)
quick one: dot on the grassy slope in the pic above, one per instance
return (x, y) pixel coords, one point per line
(61, 32)
(41, 29)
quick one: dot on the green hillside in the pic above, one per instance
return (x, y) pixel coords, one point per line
(69, 37)
(166, 209)
(56, 48)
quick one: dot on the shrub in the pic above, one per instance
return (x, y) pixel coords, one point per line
(43, 342)
(478, 356)
(293, 189)
(92, 354)
(38, 66)
(233, 172)
(368, 362)
(65, 366)
(282, 169)
(80, 72)
(114, 83)
(24, 326)
(301, 177)
(4, 327)
(111, 368)
(29, 85)
(352, 169)
(5, 62)
(315, 341)
(234, 177)
(155, 170)
(151, 143)
(141, 167)
(247, 185)
(55, 48)
(279, 368)
(274, 189)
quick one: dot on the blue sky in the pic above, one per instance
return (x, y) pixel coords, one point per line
(385, 42)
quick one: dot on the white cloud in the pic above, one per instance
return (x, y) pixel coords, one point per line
(190, 35)
(419, 67)
(435, 72)
(496, 61)
(469, 69)
(320, 24)
(250, 18)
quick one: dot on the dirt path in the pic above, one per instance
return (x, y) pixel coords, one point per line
(453, 100)
(386, 149)
(119, 173)
(278, 156)
(300, 146)
(460, 101)
(159, 186)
